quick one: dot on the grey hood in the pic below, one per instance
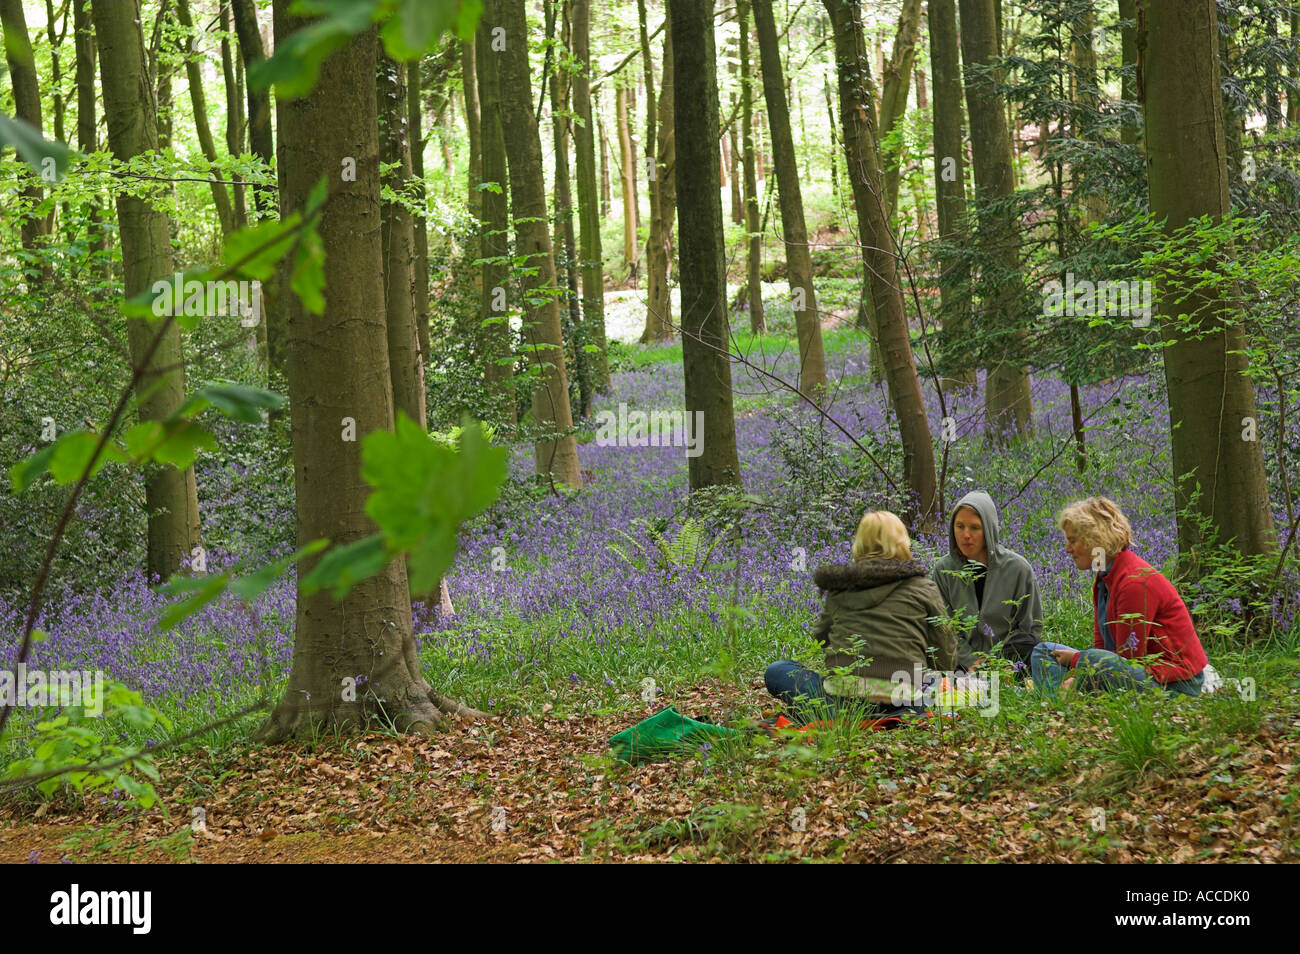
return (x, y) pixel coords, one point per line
(983, 505)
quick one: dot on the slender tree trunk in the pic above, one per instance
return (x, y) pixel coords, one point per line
(857, 111)
(1008, 403)
(1293, 94)
(584, 147)
(225, 210)
(171, 500)
(470, 81)
(1128, 132)
(556, 453)
(27, 106)
(798, 257)
(563, 195)
(496, 339)
(754, 233)
(87, 140)
(234, 113)
(606, 190)
(1211, 397)
(628, 173)
(705, 340)
(950, 191)
(894, 92)
(659, 315)
(837, 200)
(1233, 121)
(731, 156)
(419, 228)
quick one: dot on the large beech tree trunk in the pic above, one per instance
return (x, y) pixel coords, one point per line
(584, 147)
(705, 340)
(950, 190)
(857, 112)
(557, 452)
(495, 339)
(171, 499)
(1211, 398)
(1008, 404)
(798, 257)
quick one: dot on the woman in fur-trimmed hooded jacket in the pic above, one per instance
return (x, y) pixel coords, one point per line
(878, 627)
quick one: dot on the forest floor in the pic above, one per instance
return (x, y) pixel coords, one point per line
(546, 789)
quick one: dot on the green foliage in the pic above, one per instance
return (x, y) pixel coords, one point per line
(687, 550)
(68, 742)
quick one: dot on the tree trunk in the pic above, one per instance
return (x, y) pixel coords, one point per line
(1293, 94)
(472, 121)
(496, 339)
(731, 156)
(419, 228)
(837, 200)
(406, 367)
(893, 96)
(1128, 132)
(950, 192)
(171, 500)
(705, 340)
(798, 257)
(857, 112)
(557, 453)
(584, 147)
(221, 198)
(27, 106)
(1233, 121)
(628, 176)
(87, 140)
(339, 369)
(1008, 403)
(1211, 398)
(234, 112)
(754, 233)
(659, 256)
(606, 191)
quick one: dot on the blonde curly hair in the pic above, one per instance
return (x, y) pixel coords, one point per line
(1098, 522)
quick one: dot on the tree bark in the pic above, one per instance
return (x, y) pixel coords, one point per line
(731, 158)
(584, 147)
(234, 112)
(1211, 397)
(33, 228)
(496, 340)
(893, 96)
(606, 191)
(754, 233)
(628, 177)
(858, 114)
(1128, 133)
(220, 197)
(798, 257)
(1008, 403)
(950, 191)
(171, 500)
(659, 254)
(705, 340)
(556, 453)
(469, 78)
(419, 228)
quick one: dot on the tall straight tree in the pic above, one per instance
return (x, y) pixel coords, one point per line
(171, 499)
(627, 176)
(1008, 403)
(87, 138)
(495, 339)
(233, 75)
(194, 77)
(420, 229)
(896, 84)
(753, 229)
(27, 106)
(950, 189)
(405, 362)
(1211, 397)
(858, 115)
(798, 257)
(705, 339)
(584, 147)
(1128, 133)
(556, 450)
(469, 81)
(659, 249)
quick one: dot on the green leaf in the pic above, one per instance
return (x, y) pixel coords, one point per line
(141, 439)
(33, 147)
(415, 28)
(180, 448)
(308, 278)
(295, 66)
(211, 588)
(252, 586)
(239, 401)
(72, 453)
(28, 470)
(257, 250)
(347, 565)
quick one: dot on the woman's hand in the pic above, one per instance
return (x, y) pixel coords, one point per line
(1064, 657)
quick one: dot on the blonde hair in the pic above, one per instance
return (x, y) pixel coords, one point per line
(881, 534)
(1099, 522)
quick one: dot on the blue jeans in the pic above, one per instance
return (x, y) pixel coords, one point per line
(1100, 670)
(800, 688)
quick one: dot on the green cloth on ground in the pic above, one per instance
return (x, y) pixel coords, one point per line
(665, 734)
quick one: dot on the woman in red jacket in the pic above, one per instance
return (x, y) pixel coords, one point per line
(1137, 614)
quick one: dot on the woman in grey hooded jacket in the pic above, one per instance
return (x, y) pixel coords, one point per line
(983, 580)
